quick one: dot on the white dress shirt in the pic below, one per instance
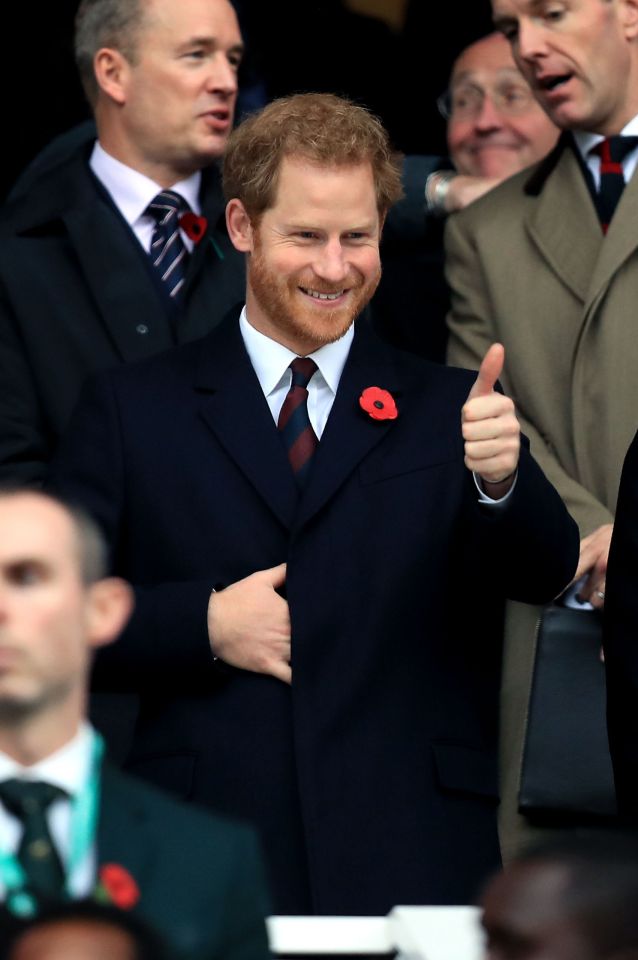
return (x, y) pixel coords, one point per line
(585, 142)
(131, 192)
(271, 362)
(70, 769)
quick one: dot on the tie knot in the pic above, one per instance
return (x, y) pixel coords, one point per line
(167, 205)
(23, 798)
(302, 371)
(614, 149)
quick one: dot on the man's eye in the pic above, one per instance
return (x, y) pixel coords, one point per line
(25, 574)
(306, 235)
(515, 95)
(234, 60)
(554, 13)
(196, 54)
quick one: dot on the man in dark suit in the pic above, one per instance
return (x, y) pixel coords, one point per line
(308, 640)
(620, 628)
(79, 290)
(71, 825)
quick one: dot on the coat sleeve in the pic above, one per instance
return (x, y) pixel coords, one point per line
(167, 636)
(24, 450)
(471, 333)
(621, 639)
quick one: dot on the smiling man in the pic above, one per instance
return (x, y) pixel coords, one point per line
(119, 250)
(297, 504)
(546, 264)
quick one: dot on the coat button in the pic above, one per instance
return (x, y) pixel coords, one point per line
(141, 329)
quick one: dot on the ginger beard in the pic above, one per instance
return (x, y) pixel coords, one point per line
(292, 312)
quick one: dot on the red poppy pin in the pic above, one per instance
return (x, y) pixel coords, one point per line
(193, 226)
(378, 404)
(117, 886)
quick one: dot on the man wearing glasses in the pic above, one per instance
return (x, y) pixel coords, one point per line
(495, 128)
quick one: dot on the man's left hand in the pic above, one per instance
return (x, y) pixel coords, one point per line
(491, 429)
(594, 553)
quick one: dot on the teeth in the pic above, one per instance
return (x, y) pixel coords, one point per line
(322, 296)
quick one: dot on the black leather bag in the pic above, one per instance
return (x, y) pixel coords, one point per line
(566, 764)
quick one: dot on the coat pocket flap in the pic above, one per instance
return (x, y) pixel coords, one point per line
(460, 767)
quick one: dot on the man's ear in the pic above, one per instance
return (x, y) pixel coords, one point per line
(112, 71)
(239, 226)
(109, 606)
(629, 18)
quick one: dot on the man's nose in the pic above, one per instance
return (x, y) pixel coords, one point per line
(489, 116)
(331, 263)
(222, 77)
(531, 41)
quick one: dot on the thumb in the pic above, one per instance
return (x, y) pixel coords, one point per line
(489, 371)
(275, 576)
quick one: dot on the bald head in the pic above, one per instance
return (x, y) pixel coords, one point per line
(496, 127)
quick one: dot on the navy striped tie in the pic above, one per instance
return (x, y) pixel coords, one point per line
(294, 424)
(168, 253)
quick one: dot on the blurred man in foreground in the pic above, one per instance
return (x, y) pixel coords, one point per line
(71, 825)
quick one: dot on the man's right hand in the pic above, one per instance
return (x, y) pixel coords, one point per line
(249, 624)
(464, 190)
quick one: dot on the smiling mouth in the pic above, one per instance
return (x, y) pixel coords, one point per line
(317, 295)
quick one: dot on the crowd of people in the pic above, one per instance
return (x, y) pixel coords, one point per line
(275, 534)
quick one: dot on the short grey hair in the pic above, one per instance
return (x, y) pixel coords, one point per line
(105, 23)
(91, 550)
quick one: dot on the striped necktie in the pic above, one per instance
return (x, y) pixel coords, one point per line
(28, 801)
(294, 424)
(612, 151)
(168, 253)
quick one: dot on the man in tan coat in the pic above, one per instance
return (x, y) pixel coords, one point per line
(531, 266)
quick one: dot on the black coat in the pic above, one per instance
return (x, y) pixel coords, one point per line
(372, 779)
(78, 295)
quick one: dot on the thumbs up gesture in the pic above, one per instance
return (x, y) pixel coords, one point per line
(490, 428)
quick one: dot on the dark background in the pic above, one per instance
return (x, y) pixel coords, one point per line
(293, 45)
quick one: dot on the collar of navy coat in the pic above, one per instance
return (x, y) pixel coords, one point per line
(232, 405)
(68, 203)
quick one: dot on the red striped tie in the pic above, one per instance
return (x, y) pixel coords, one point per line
(612, 151)
(294, 425)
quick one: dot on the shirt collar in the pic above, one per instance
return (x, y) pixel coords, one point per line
(587, 141)
(131, 190)
(270, 359)
(68, 768)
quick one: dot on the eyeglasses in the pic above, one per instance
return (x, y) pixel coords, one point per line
(466, 101)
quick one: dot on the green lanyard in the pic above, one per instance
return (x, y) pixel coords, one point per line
(84, 811)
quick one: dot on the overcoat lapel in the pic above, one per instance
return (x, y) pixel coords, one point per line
(232, 405)
(121, 835)
(350, 433)
(563, 223)
(77, 212)
(619, 244)
(118, 282)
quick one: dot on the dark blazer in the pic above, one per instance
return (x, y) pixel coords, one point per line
(620, 633)
(77, 295)
(200, 877)
(373, 779)
(412, 300)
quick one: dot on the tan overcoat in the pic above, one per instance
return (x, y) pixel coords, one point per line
(528, 266)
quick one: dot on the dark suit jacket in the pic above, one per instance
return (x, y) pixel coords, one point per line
(200, 877)
(373, 779)
(410, 305)
(620, 634)
(77, 295)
